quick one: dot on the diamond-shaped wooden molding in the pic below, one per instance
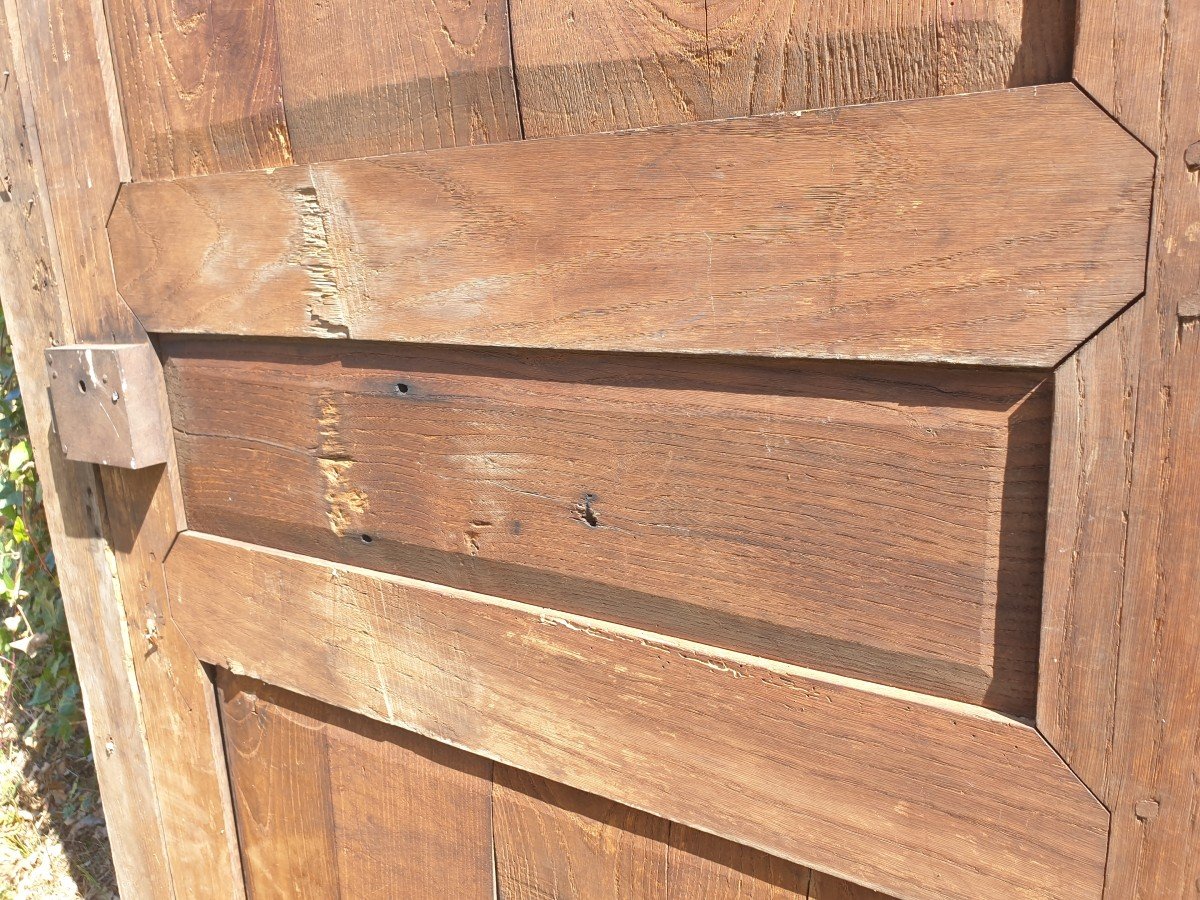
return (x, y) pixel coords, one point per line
(109, 405)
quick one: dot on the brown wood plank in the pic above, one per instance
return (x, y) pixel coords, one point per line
(780, 236)
(703, 867)
(332, 804)
(878, 521)
(1091, 463)
(200, 85)
(35, 314)
(555, 841)
(1154, 772)
(770, 57)
(826, 887)
(150, 703)
(593, 66)
(860, 780)
(1119, 61)
(421, 74)
(987, 44)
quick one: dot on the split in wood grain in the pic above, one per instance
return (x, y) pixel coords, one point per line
(943, 230)
(880, 521)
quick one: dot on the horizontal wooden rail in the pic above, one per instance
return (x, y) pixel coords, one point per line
(917, 797)
(998, 228)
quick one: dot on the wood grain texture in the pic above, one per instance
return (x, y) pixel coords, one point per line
(1119, 61)
(878, 521)
(826, 887)
(331, 804)
(200, 84)
(986, 44)
(703, 867)
(859, 780)
(421, 74)
(554, 841)
(596, 66)
(1154, 775)
(1090, 470)
(777, 236)
(166, 725)
(593, 66)
(35, 316)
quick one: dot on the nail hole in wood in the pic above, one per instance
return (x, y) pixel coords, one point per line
(82, 386)
(401, 388)
(365, 538)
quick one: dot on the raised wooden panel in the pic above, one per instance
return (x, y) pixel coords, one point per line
(929, 799)
(874, 520)
(951, 229)
(361, 78)
(330, 804)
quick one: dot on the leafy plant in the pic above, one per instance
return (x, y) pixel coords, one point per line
(40, 688)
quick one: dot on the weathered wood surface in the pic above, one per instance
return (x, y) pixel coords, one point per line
(1153, 784)
(593, 66)
(1091, 462)
(35, 315)
(152, 714)
(222, 87)
(200, 85)
(856, 779)
(781, 236)
(1119, 61)
(421, 74)
(330, 804)
(873, 520)
(555, 841)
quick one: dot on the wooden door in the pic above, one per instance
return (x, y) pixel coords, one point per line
(677, 450)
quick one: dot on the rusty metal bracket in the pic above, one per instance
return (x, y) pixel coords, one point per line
(109, 404)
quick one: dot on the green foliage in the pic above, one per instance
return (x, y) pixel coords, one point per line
(37, 674)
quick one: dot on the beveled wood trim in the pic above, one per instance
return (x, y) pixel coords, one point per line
(891, 789)
(949, 229)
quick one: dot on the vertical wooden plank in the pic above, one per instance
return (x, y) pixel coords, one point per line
(599, 67)
(555, 841)
(703, 867)
(1119, 60)
(1090, 467)
(586, 66)
(279, 768)
(1155, 771)
(184, 783)
(333, 804)
(984, 45)
(35, 317)
(766, 56)
(200, 84)
(1142, 59)
(826, 887)
(405, 75)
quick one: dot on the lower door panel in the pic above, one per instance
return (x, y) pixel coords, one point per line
(331, 803)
